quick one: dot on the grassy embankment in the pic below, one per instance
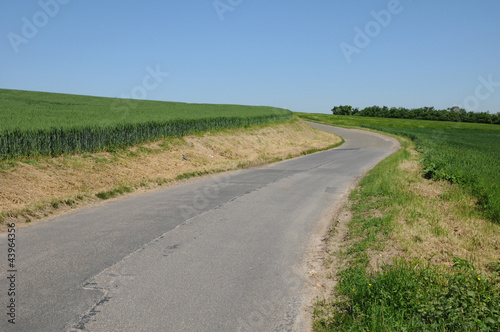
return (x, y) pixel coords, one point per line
(433, 206)
(35, 185)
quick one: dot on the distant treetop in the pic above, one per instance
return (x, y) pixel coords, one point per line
(455, 114)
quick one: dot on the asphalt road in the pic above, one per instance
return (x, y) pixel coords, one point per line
(221, 253)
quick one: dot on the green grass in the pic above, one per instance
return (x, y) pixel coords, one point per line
(411, 293)
(463, 153)
(120, 190)
(414, 296)
(37, 123)
(356, 121)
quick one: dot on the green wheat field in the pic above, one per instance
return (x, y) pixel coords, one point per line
(38, 123)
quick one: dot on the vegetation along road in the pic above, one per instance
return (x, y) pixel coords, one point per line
(417, 248)
(221, 253)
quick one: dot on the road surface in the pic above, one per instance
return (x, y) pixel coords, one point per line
(221, 253)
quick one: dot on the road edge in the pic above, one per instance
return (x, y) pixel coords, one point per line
(315, 255)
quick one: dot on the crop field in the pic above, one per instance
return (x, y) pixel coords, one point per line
(463, 153)
(37, 123)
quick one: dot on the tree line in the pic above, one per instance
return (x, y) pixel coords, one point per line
(455, 114)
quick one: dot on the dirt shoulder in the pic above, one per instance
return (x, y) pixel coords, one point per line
(33, 189)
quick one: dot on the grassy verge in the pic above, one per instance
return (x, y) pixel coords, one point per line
(34, 188)
(412, 296)
(418, 255)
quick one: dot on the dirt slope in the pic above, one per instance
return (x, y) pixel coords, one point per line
(36, 188)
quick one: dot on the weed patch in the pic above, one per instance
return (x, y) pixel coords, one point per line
(413, 296)
(115, 192)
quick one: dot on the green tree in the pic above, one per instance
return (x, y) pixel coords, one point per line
(342, 110)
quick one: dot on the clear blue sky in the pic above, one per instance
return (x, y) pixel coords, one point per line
(278, 53)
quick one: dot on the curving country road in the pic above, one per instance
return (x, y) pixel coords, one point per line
(221, 253)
